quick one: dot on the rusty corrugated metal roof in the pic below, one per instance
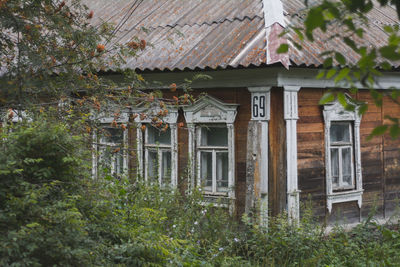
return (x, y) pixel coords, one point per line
(374, 35)
(162, 13)
(198, 34)
(189, 34)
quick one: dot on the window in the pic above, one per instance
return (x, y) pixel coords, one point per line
(14, 116)
(158, 155)
(212, 155)
(110, 145)
(341, 150)
(157, 149)
(212, 146)
(111, 151)
(342, 155)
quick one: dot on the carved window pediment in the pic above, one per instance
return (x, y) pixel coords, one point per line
(210, 110)
(153, 111)
(111, 113)
(335, 111)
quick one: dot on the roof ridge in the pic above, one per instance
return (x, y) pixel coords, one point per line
(203, 23)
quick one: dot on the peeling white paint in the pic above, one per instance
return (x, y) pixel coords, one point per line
(291, 117)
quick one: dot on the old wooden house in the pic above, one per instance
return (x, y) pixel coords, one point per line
(256, 136)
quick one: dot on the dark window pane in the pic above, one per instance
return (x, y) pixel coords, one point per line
(346, 166)
(340, 132)
(111, 159)
(113, 135)
(118, 163)
(156, 136)
(335, 166)
(214, 136)
(166, 167)
(206, 170)
(105, 159)
(152, 166)
(222, 171)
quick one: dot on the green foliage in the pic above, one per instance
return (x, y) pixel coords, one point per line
(53, 213)
(283, 48)
(40, 170)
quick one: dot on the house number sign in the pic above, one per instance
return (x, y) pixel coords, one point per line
(260, 106)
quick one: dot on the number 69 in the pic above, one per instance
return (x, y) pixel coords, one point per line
(258, 106)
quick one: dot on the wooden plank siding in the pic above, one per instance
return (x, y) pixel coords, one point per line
(277, 155)
(379, 159)
(391, 159)
(311, 151)
(371, 158)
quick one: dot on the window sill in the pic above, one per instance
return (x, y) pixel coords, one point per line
(215, 194)
(218, 200)
(157, 146)
(345, 196)
(343, 189)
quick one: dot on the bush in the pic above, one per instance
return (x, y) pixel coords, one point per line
(40, 170)
(53, 213)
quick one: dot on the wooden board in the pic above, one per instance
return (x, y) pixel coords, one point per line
(277, 154)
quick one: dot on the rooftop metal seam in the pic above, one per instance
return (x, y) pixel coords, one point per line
(176, 25)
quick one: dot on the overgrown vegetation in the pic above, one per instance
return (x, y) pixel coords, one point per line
(53, 213)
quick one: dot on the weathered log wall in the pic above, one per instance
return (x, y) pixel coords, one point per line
(277, 155)
(379, 159)
(391, 161)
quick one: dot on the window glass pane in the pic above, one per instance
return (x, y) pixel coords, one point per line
(340, 132)
(214, 136)
(222, 171)
(335, 166)
(113, 135)
(346, 166)
(118, 162)
(105, 159)
(111, 160)
(166, 167)
(152, 166)
(156, 136)
(206, 170)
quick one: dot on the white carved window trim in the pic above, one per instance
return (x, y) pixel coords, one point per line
(334, 112)
(210, 112)
(103, 144)
(15, 116)
(159, 149)
(213, 150)
(143, 147)
(99, 143)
